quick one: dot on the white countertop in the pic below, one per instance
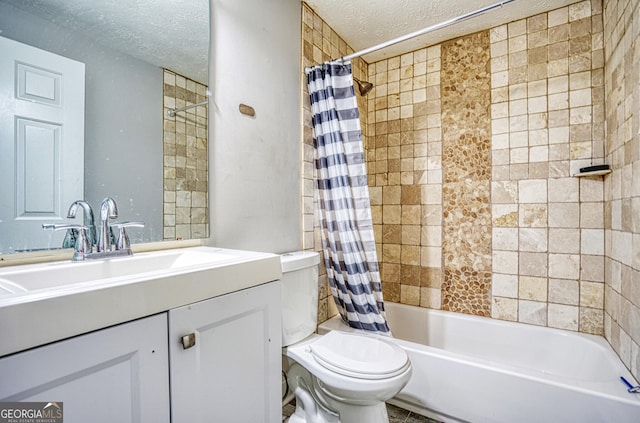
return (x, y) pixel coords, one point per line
(40, 316)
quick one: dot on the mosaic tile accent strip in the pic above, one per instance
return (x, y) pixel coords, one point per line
(466, 163)
(186, 204)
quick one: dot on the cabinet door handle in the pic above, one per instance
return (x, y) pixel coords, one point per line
(188, 341)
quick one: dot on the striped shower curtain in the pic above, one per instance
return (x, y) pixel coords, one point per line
(343, 197)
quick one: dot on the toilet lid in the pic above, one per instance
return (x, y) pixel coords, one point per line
(359, 356)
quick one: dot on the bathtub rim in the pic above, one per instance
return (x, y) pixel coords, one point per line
(611, 389)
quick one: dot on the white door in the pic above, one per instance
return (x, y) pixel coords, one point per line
(114, 375)
(231, 372)
(41, 144)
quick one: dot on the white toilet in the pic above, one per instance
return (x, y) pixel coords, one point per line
(338, 377)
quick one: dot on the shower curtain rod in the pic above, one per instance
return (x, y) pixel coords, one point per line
(172, 112)
(424, 31)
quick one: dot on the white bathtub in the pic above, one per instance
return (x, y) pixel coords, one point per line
(476, 369)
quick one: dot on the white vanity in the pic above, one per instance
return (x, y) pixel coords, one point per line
(183, 335)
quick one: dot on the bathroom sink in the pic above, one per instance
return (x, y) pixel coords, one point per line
(57, 275)
(45, 302)
(7, 287)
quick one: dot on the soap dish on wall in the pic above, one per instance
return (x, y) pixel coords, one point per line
(596, 170)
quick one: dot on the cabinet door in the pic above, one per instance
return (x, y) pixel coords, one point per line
(233, 371)
(118, 374)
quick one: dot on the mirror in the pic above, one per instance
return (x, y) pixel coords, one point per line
(141, 58)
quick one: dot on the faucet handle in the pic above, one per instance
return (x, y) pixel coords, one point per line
(88, 219)
(82, 243)
(122, 240)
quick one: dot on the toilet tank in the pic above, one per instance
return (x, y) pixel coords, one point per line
(299, 295)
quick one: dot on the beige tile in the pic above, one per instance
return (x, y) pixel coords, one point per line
(504, 285)
(505, 262)
(431, 256)
(592, 294)
(563, 190)
(409, 294)
(564, 240)
(533, 215)
(430, 297)
(411, 214)
(592, 241)
(532, 288)
(517, 28)
(592, 268)
(564, 215)
(504, 308)
(563, 316)
(505, 215)
(532, 239)
(532, 191)
(591, 190)
(498, 33)
(558, 101)
(579, 10)
(591, 320)
(504, 192)
(410, 234)
(558, 16)
(532, 264)
(431, 236)
(505, 239)
(391, 214)
(564, 291)
(532, 312)
(564, 266)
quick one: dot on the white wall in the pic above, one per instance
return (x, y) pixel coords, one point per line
(255, 176)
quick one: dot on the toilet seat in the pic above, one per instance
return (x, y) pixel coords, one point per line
(359, 356)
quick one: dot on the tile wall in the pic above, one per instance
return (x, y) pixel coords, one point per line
(622, 187)
(564, 251)
(560, 251)
(405, 175)
(320, 43)
(403, 156)
(186, 205)
(547, 118)
(489, 129)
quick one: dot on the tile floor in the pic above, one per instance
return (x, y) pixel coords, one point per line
(396, 415)
(400, 415)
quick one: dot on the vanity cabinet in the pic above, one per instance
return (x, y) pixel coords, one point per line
(222, 357)
(118, 374)
(225, 357)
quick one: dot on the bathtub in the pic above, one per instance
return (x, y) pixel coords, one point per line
(476, 369)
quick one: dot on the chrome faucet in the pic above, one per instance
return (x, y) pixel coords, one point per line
(82, 245)
(108, 210)
(88, 218)
(83, 237)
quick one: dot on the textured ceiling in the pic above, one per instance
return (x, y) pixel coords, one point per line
(363, 24)
(174, 33)
(168, 33)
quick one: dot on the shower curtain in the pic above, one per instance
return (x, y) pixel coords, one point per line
(343, 197)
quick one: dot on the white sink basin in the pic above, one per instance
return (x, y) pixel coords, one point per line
(62, 274)
(46, 302)
(7, 287)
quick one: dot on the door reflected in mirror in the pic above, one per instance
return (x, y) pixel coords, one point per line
(137, 66)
